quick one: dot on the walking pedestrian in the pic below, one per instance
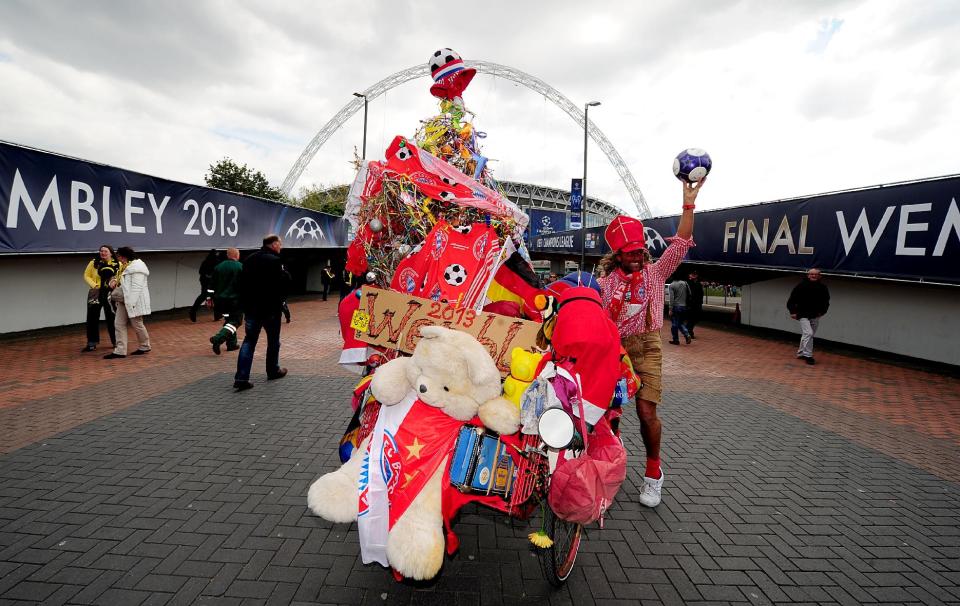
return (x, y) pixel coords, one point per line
(131, 293)
(226, 300)
(97, 275)
(326, 279)
(206, 287)
(633, 292)
(263, 289)
(808, 302)
(346, 283)
(695, 303)
(679, 297)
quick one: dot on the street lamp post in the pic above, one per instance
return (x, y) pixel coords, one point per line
(364, 97)
(583, 211)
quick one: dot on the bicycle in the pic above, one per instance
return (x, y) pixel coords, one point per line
(530, 486)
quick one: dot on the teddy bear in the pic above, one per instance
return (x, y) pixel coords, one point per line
(392, 485)
(523, 370)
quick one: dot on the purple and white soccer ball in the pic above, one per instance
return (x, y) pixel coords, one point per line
(691, 165)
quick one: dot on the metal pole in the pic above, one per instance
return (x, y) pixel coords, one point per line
(364, 127)
(364, 148)
(583, 204)
(583, 192)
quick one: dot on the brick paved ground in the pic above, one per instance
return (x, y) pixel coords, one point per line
(832, 484)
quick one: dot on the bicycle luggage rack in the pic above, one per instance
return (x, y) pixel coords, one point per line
(532, 468)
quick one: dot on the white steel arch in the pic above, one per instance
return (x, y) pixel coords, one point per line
(484, 67)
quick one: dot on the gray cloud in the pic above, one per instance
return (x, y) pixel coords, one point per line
(169, 87)
(839, 98)
(156, 44)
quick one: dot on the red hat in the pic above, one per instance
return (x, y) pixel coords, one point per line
(624, 234)
(449, 74)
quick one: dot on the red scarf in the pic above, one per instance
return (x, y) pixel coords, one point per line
(632, 283)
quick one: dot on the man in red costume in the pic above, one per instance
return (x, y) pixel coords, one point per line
(632, 292)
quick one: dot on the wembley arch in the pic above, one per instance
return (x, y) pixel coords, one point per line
(485, 67)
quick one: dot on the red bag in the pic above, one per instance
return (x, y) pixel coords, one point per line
(582, 489)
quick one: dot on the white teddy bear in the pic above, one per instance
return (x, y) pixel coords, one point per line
(450, 372)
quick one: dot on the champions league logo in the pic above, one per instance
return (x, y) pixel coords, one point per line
(303, 227)
(654, 240)
(546, 225)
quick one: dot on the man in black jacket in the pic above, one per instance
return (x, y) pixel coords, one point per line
(263, 288)
(326, 279)
(206, 282)
(809, 301)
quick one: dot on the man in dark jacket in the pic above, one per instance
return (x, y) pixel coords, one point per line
(346, 283)
(206, 285)
(326, 279)
(695, 303)
(263, 288)
(809, 301)
(226, 300)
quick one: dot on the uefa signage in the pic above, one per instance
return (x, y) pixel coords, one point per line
(901, 231)
(52, 203)
(576, 203)
(546, 222)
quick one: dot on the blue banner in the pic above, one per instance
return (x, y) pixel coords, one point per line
(907, 231)
(546, 222)
(52, 203)
(576, 203)
(569, 242)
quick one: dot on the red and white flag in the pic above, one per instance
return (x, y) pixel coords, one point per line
(409, 443)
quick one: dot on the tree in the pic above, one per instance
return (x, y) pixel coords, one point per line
(331, 200)
(227, 174)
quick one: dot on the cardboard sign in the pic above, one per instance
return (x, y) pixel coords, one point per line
(395, 320)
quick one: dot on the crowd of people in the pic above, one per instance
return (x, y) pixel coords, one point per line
(118, 282)
(251, 294)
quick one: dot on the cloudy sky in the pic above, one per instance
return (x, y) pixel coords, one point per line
(789, 98)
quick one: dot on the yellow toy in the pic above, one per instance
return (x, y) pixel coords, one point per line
(523, 365)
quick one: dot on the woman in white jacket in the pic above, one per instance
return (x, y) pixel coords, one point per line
(133, 303)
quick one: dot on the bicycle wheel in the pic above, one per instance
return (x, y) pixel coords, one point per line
(558, 559)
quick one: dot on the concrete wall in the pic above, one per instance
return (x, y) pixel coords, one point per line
(49, 290)
(908, 319)
(40, 291)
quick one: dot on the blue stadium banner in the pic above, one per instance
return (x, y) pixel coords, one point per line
(546, 222)
(576, 203)
(52, 203)
(905, 231)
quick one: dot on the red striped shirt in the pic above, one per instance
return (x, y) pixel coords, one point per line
(632, 319)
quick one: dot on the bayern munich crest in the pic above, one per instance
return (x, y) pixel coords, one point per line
(390, 470)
